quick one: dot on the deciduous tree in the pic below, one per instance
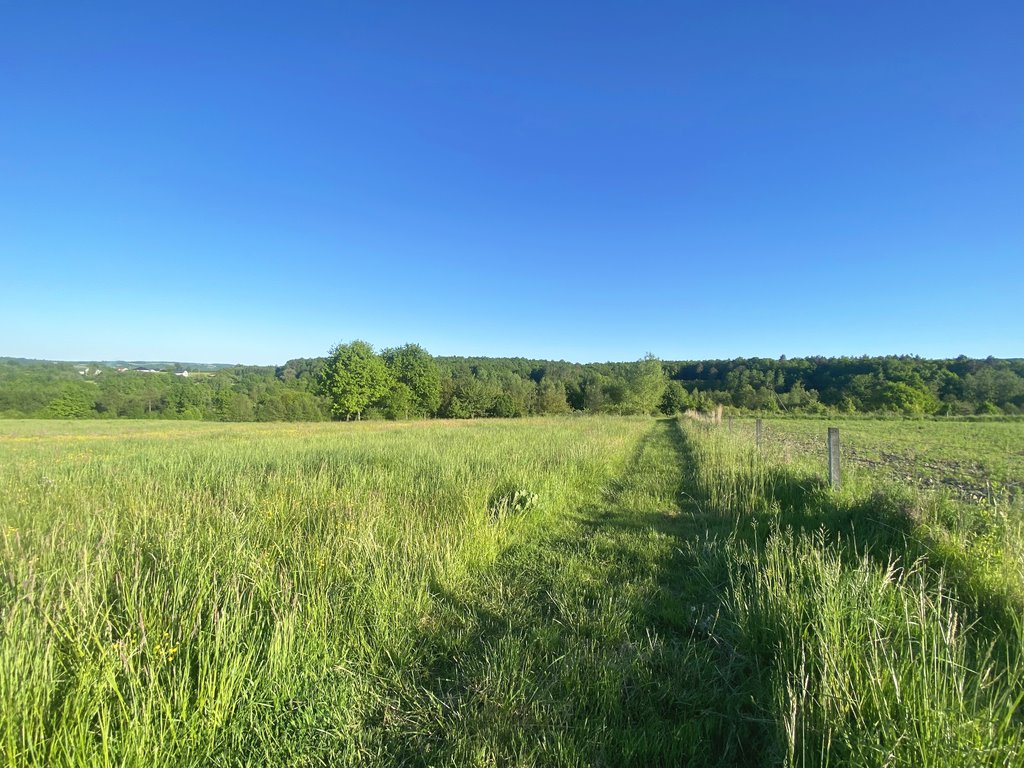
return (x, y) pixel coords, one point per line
(353, 378)
(413, 367)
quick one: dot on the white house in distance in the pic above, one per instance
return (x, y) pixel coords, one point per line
(149, 370)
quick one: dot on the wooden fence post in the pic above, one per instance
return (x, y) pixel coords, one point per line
(833, 458)
(758, 428)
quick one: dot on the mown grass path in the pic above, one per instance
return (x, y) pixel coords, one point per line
(664, 626)
(592, 643)
(563, 592)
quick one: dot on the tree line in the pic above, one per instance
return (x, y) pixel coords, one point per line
(355, 381)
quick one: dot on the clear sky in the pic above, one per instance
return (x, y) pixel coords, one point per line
(250, 182)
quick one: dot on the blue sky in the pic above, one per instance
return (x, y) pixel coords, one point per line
(586, 181)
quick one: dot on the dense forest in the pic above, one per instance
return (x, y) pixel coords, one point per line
(354, 381)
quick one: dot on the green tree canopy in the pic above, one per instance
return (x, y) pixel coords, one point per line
(675, 399)
(353, 378)
(413, 367)
(645, 385)
(550, 397)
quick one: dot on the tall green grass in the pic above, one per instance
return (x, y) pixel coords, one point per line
(577, 591)
(181, 596)
(880, 639)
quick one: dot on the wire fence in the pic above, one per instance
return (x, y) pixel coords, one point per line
(976, 461)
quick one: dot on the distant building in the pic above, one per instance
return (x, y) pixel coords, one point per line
(181, 373)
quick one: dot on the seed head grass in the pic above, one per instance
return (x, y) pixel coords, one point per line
(558, 591)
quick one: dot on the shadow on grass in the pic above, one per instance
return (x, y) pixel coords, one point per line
(610, 643)
(595, 646)
(884, 528)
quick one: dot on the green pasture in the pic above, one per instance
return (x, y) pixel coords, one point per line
(555, 591)
(974, 458)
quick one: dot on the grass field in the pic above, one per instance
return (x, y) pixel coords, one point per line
(975, 459)
(577, 591)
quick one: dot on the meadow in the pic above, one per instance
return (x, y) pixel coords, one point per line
(549, 591)
(974, 459)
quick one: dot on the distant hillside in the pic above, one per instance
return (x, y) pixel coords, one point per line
(471, 387)
(155, 364)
